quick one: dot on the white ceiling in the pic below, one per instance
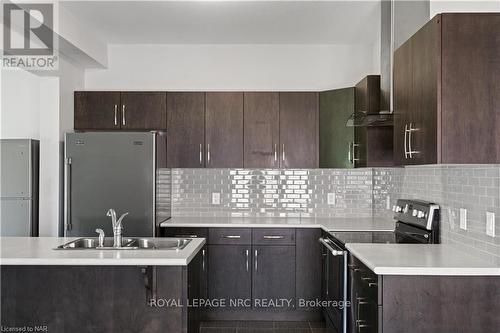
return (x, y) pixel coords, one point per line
(230, 22)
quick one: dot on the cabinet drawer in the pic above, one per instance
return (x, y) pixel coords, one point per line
(230, 236)
(186, 232)
(275, 236)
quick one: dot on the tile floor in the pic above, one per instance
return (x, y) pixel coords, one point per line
(262, 327)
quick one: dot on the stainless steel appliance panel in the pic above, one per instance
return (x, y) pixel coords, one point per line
(110, 170)
(15, 215)
(15, 168)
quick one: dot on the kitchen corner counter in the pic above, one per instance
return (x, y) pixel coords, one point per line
(327, 224)
(40, 251)
(421, 259)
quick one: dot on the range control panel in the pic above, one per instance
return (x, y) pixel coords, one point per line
(421, 213)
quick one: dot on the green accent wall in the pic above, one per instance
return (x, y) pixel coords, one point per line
(335, 107)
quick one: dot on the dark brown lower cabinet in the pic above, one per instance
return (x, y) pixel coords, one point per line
(230, 275)
(273, 276)
(409, 303)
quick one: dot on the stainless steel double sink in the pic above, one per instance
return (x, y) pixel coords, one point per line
(128, 244)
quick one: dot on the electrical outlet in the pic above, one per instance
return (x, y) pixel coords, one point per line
(331, 198)
(490, 224)
(463, 218)
(215, 198)
(388, 202)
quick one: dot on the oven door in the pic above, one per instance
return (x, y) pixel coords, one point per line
(407, 234)
(334, 286)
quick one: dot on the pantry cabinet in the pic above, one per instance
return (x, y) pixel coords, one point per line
(447, 92)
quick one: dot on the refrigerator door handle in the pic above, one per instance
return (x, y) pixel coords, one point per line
(67, 195)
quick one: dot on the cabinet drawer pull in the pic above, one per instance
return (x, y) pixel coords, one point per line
(372, 284)
(186, 236)
(247, 253)
(231, 236)
(256, 260)
(203, 254)
(273, 237)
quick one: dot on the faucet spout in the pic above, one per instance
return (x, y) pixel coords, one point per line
(117, 227)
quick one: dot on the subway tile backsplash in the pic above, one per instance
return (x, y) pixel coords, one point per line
(271, 192)
(358, 193)
(473, 187)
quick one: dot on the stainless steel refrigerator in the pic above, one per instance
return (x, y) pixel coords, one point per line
(19, 169)
(116, 170)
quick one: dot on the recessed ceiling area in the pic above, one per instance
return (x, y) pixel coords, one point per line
(230, 22)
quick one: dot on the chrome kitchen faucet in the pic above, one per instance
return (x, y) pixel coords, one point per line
(117, 227)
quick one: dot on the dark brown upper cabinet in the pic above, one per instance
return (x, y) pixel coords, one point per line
(261, 130)
(186, 130)
(143, 110)
(97, 110)
(224, 130)
(298, 130)
(446, 104)
(372, 145)
(109, 110)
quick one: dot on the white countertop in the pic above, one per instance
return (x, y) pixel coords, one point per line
(421, 259)
(40, 251)
(327, 224)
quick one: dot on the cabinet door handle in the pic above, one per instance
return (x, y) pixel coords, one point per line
(116, 115)
(406, 141)
(231, 236)
(201, 155)
(124, 122)
(410, 131)
(203, 255)
(273, 237)
(208, 153)
(283, 153)
(247, 253)
(275, 153)
(256, 260)
(349, 153)
(354, 159)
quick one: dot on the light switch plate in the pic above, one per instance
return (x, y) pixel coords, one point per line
(490, 224)
(215, 198)
(463, 218)
(388, 202)
(331, 198)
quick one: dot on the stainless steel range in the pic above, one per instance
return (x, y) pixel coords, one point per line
(416, 222)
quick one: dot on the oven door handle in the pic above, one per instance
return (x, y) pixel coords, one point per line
(328, 245)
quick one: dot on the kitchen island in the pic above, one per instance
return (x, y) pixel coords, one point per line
(90, 290)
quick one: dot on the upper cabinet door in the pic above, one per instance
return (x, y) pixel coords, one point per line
(143, 110)
(299, 130)
(185, 129)
(224, 130)
(335, 138)
(402, 96)
(422, 127)
(97, 110)
(261, 133)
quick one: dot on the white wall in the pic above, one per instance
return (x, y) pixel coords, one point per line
(41, 107)
(234, 67)
(450, 6)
